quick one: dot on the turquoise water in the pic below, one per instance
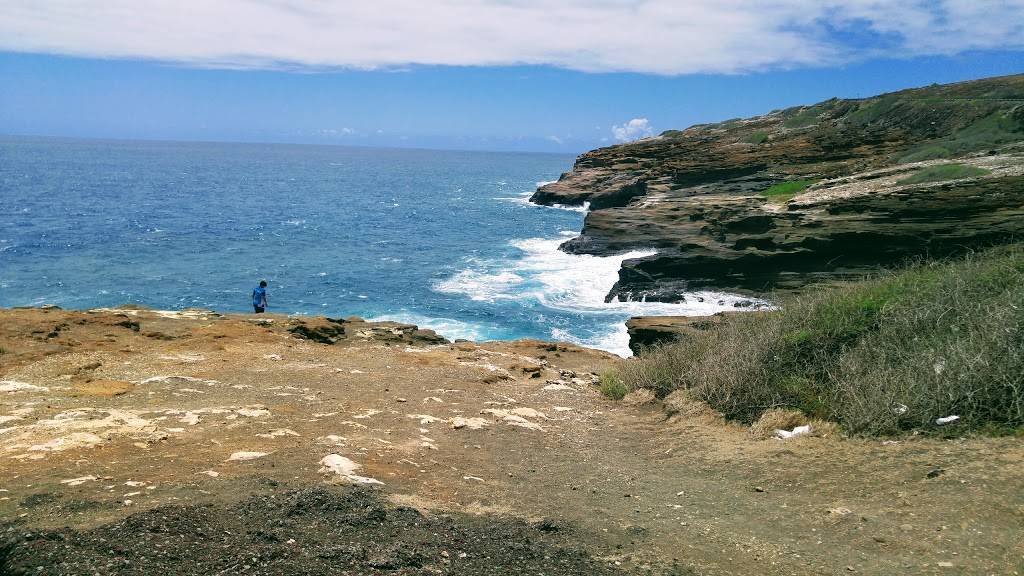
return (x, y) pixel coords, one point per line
(442, 239)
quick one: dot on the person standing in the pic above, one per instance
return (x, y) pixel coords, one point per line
(259, 297)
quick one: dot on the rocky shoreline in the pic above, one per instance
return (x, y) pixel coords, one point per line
(805, 195)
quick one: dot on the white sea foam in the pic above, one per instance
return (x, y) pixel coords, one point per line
(576, 284)
(524, 200)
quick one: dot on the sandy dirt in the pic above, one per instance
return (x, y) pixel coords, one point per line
(132, 441)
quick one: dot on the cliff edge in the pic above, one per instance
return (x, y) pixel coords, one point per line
(806, 194)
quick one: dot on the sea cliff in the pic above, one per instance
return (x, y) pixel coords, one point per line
(806, 194)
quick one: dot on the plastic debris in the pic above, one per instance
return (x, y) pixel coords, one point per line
(794, 432)
(946, 419)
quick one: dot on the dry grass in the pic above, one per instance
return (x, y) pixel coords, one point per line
(877, 356)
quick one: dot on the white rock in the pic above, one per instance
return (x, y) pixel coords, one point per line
(242, 456)
(210, 473)
(190, 418)
(338, 464)
(15, 386)
(253, 412)
(472, 423)
(75, 440)
(424, 418)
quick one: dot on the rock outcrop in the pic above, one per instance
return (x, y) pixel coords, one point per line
(813, 193)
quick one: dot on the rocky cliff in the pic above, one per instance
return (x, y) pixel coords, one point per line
(811, 193)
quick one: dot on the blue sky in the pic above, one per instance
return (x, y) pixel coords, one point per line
(539, 77)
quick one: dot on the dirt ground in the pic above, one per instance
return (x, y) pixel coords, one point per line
(142, 442)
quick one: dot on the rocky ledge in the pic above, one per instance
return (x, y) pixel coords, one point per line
(806, 194)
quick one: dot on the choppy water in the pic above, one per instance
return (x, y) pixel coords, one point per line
(442, 239)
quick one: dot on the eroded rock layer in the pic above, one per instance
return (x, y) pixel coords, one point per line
(810, 193)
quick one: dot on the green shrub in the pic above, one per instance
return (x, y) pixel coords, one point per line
(878, 356)
(756, 138)
(612, 386)
(944, 172)
(805, 117)
(784, 191)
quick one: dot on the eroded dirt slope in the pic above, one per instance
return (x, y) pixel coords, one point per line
(183, 426)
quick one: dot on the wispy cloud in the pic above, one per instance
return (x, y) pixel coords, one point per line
(633, 130)
(650, 36)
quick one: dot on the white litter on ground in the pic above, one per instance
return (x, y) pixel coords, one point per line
(799, 430)
(338, 464)
(946, 420)
(78, 481)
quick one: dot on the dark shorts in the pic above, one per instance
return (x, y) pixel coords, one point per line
(259, 309)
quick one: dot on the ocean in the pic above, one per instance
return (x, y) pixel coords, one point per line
(443, 239)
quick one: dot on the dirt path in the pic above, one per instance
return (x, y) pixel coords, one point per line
(104, 415)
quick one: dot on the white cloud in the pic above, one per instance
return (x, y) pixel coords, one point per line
(651, 36)
(633, 130)
(555, 139)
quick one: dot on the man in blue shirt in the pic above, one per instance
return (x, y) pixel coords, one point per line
(259, 297)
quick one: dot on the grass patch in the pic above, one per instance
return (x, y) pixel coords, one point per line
(784, 191)
(612, 386)
(756, 138)
(930, 152)
(985, 133)
(805, 117)
(672, 133)
(877, 356)
(944, 172)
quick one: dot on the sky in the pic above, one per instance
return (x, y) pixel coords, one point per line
(517, 75)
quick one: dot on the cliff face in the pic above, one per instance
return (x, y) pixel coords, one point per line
(809, 193)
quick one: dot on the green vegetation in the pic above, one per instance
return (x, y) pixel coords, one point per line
(943, 172)
(612, 386)
(993, 130)
(929, 152)
(672, 133)
(878, 356)
(784, 191)
(804, 117)
(756, 138)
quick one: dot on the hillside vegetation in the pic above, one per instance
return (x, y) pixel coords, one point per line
(879, 356)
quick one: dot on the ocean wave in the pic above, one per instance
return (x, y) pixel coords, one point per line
(575, 285)
(524, 200)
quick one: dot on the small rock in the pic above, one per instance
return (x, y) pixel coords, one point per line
(758, 489)
(935, 473)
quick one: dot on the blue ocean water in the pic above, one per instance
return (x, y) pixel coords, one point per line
(442, 239)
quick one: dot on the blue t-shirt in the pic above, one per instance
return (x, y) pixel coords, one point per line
(258, 295)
